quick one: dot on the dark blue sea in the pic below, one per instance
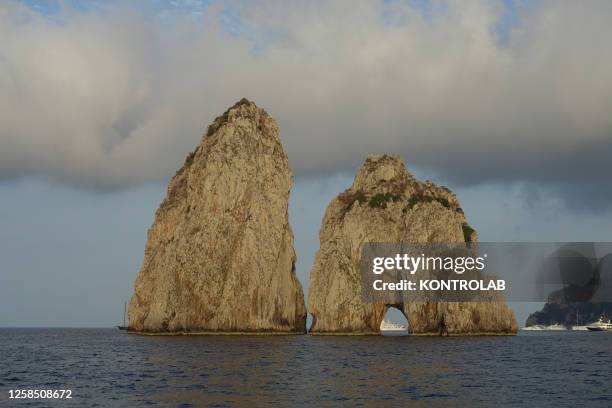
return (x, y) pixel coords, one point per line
(109, 368)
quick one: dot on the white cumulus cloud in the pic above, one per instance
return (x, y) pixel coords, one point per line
(117, 96)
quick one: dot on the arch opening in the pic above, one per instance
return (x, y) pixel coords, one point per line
(395, 322)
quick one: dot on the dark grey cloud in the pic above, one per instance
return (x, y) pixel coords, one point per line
(115, 97)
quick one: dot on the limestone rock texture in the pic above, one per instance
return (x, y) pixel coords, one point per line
(387, 204)
(219, 256)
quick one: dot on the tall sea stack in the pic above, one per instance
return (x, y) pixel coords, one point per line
(219, 256)
(387, 204)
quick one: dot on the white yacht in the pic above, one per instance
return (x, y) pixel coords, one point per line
(600, 325)
(390, 327)
(542, 327)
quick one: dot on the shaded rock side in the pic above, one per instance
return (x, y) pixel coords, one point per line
(219, 256)
(387, 204)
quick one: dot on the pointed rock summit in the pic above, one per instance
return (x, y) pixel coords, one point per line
(387, 204)
(219, 256)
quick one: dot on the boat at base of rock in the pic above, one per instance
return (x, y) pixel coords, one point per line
(600, 325)
(542, 327)
(124, 327)
(387, 327)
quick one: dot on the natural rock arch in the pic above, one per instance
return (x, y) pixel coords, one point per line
(387, 204)
(400, 309)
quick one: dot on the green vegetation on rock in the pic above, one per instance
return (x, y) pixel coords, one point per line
(380, 200)
(467, 232)
(190, 158)
(419, 198)
(351, 199)
(426, 198)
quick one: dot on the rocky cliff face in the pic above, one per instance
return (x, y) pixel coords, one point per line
(219, 256)
(387, 204)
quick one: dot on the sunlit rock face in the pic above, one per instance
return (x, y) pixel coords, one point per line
(219, 256)
(387, 204)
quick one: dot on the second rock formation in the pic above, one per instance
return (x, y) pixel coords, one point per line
(387, 204)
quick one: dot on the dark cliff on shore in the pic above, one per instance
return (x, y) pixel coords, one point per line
(570, 314)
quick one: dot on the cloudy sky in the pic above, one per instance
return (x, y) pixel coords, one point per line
(509, 103)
